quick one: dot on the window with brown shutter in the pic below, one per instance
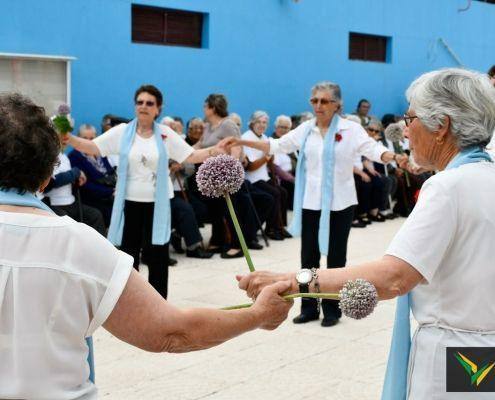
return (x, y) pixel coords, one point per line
(367, 47)
(166, 26)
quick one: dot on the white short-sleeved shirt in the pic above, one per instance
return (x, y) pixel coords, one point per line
(59, 281)
(354, 141)
(283, 161)
(61, 196)
(261, 174)
(450, 238)
(143, 159)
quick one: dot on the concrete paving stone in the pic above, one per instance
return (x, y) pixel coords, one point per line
(293, 362)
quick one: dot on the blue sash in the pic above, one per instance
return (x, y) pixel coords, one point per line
(328, 166)
(161, 214)
(395, 385)
(12, 197)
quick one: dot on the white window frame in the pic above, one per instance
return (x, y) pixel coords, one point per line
(67, 59)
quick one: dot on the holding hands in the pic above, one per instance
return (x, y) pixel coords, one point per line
(255, 282)
(270, 308)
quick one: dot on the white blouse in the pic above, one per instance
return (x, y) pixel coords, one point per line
(59, 281)
(261, 174)
(354, 142)
(449, 239)
(143, 159)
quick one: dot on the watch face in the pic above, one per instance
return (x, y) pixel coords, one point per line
(304, 276)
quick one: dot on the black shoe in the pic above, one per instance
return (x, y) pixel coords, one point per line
(358, 224)
(274, 235)
(303, 318)
(214, 250)
(176, 242)
(254, 245)
(376, 218)
(172, 262)
(329, 322)
(365, 220)
(235, 255)
(286, 234)
(198, 252)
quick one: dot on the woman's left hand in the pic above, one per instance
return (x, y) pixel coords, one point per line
(254, 283)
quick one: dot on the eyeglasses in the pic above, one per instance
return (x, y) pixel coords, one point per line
(409, 118)
(314, 101)
(147, 103)
(285, 128)
(373, 130)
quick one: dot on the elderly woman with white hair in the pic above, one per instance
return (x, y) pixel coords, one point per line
(441, 260)
(257, 172)
(325, 194)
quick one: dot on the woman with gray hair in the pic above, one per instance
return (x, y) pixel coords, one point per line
(257, 172)
(325, 194)
(441, 260)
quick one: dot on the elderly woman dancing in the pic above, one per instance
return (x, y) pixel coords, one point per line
(61, 280)
(141, 209)
(325, 194)
(441, 260)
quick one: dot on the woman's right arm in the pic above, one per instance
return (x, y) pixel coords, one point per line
(83, 145)
(144, 319)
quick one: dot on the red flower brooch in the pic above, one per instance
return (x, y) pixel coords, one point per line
(164, 136)
(338, 137)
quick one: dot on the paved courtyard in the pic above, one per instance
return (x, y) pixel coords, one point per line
(294, 362)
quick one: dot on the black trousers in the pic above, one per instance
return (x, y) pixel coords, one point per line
(138, 228)
(83, 213)
(340, 226)
(184, 220)
(277, 218)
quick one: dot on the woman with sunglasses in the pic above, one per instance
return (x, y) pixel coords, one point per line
(325, 194)
(141, 211)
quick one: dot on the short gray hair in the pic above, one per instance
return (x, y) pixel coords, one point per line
(281, 118)
(330, 87)
(256, 116)
(84, 127)
(466, 97)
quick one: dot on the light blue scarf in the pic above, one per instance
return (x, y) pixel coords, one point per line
(328, 165)
(13, 198)
(161, 215)
(395, 385)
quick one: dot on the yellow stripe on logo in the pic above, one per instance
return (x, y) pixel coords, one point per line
(473, 366)
(485, 372)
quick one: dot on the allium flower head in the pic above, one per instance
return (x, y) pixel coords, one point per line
(219, 175)
(63, 109)
(358, 298)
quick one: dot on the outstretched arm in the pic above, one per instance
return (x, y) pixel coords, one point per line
(83, 145)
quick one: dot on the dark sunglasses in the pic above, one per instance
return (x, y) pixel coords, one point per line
(147, 103)
(314, 101)
(373, 130)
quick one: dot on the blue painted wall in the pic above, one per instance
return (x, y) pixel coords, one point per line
(263, 54)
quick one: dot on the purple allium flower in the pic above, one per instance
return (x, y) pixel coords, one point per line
(219, 175)
(63, 109)
(358, 298)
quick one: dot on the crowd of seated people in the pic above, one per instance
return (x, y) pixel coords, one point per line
(83, 186)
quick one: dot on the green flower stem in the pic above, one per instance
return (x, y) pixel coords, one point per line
(331, 296)
(239, 233)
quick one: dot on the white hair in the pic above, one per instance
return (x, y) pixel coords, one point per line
(466, 97)
(84, 127)
(256, 116)
(167, 121)
(282, 118)
(330, 87)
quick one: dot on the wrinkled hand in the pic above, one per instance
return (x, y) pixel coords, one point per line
(402, 161)
(227, 143)
(365, 177)
(270, 307)
(81, 181)
(175, 167)
(254, 283)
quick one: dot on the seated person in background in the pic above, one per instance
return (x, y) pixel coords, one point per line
(195, 129)
(184, 220)
(63, 202)
(285, 163)
(101, 178)
(257, 174)
(362, 112)
(179, 126)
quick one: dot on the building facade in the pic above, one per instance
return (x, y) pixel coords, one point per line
(263, 54)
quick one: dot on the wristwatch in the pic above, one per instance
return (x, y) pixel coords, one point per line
(304, 278)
